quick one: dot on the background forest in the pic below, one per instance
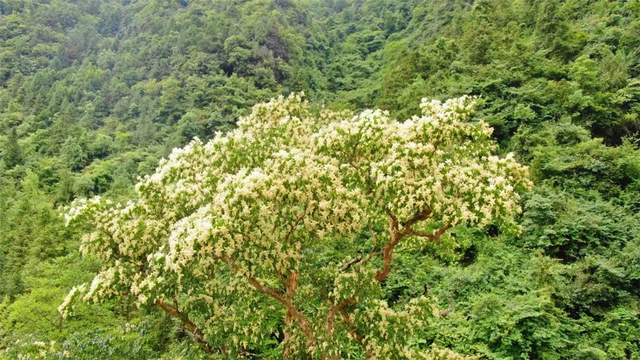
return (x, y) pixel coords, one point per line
(94, 93)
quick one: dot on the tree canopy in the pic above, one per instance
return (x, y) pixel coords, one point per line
(94, 94)
(225, 236)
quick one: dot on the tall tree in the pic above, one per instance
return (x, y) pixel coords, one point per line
(12, 154)
(292, 221)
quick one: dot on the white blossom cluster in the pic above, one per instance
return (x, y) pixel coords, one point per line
(76, 291)
(436, 161)
(224, 229)
(391, 331)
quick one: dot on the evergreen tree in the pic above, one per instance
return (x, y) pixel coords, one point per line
(12, 154)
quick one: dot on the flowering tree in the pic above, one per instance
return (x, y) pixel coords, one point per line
(286, 227)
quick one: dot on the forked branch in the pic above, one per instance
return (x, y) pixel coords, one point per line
(285, 300)
(399, 231)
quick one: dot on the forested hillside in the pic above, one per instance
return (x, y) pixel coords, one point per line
(93, 94)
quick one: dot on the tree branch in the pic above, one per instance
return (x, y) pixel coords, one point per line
(196, 334)
(348, 265)
(284, 299)
(287, 303)
(397, 233)
(419, 216)
(387, 251)
(347, 320)
(294, 225)
(291, 286)
(435, 237)
(332, 314)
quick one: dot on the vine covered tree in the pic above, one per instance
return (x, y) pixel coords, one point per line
(283, 231)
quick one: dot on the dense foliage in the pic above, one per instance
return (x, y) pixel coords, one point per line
(94, 93)
(226, 236)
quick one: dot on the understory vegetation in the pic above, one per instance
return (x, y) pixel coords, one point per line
(94, 94)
